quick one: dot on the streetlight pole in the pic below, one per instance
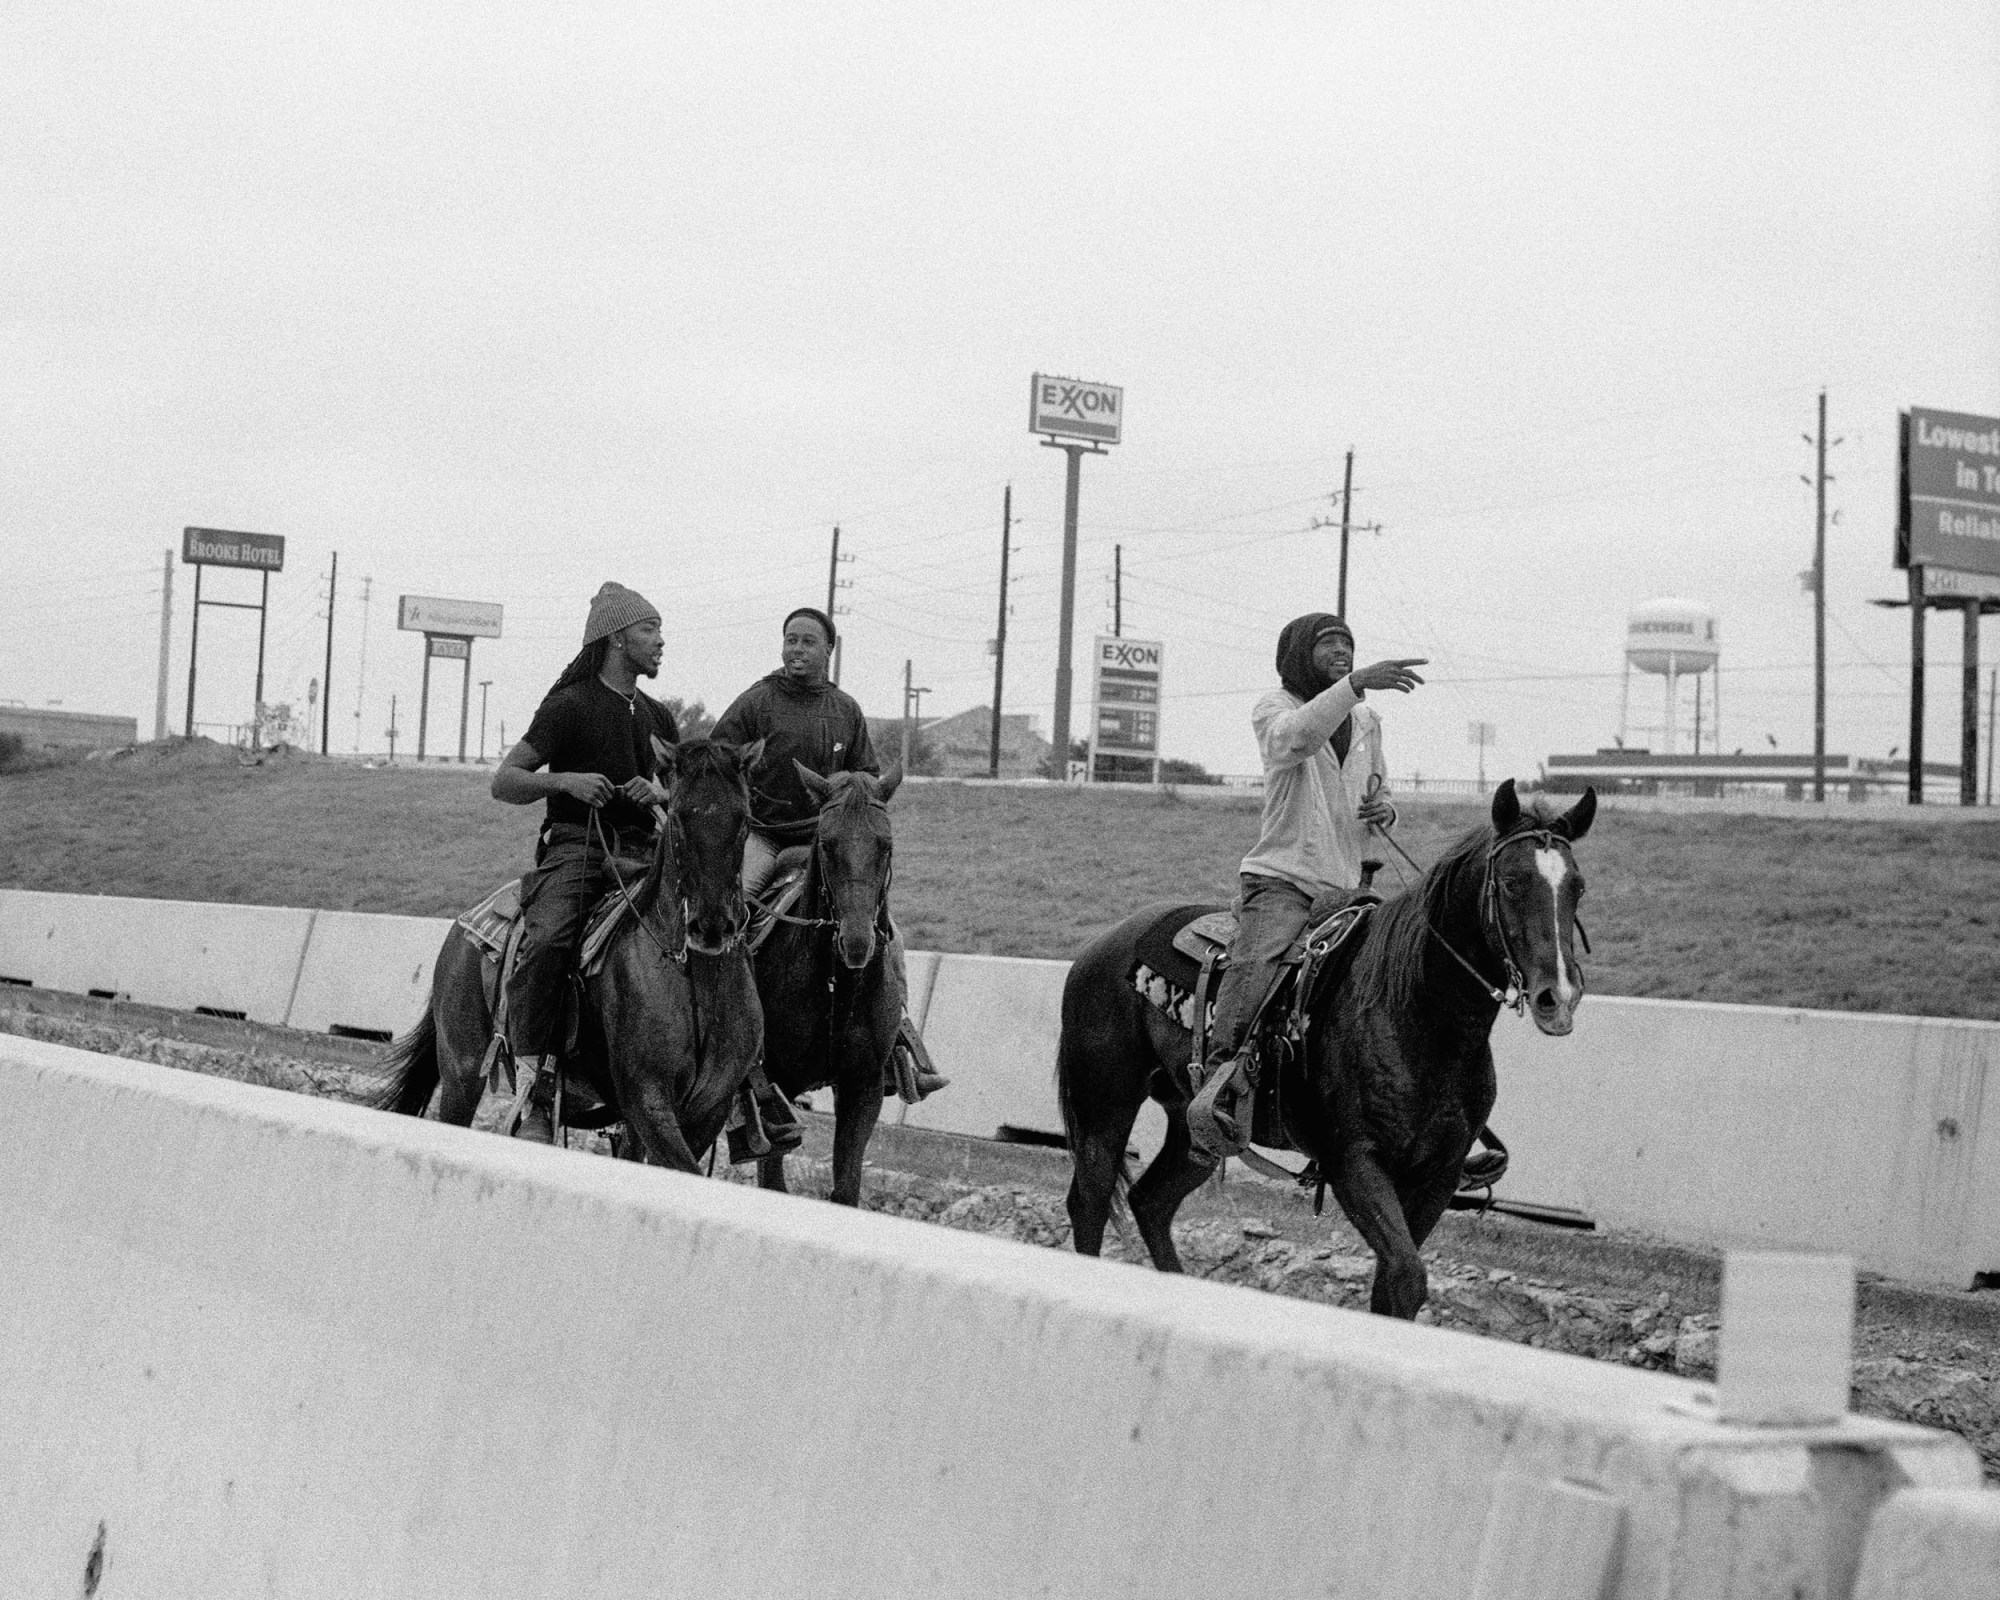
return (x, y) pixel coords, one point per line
(484, 685)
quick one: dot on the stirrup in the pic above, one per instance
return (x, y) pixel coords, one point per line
(1215, 1133)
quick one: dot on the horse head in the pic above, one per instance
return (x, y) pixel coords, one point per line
(1530, 896)
(708, 818)
(853, 845)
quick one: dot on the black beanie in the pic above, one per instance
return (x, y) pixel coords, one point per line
(818, 616)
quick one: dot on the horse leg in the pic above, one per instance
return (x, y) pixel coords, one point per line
(1372, 1203)
(1174, 1174)
(464, 1029)
(857, 1107)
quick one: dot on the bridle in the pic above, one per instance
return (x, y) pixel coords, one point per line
(673, 841)
(1492, 925)
(822, 861)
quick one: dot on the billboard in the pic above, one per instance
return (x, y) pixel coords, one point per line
(468, 619)
(1071, 408)
(216, 547)
(1125, 719)
(446, 647)
(1950, 513)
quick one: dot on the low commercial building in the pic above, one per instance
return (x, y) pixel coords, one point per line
(67, 730)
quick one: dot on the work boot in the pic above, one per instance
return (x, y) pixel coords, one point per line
(1223, 1096)
(536, 1118)
(909, 1072)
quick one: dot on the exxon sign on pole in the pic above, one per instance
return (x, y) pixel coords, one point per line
(1125, 702)
(1077, 418)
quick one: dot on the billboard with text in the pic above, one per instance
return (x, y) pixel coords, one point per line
(1950, 515)
(468, 619)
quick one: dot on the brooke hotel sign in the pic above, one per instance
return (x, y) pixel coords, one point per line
(1951, 495)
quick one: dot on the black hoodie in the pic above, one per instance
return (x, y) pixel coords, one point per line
(817, 725)
(1298, 673)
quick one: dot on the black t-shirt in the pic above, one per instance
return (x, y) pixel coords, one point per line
(591, 727)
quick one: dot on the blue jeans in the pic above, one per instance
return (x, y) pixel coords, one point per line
(1270, 915)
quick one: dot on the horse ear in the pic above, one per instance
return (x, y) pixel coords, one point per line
(666, 757)
(750, 754)
(1506, 809)
(889, 782)
(1574, 823)
(816, 786)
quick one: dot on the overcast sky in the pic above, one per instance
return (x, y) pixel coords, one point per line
(499, 301)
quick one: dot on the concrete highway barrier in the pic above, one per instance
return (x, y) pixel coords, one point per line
(1711, 1125)
(262, 1344)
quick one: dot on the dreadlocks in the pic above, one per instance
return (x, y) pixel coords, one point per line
(584, 665)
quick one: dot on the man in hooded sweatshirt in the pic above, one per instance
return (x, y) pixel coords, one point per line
(801, 716)
(1325, 786)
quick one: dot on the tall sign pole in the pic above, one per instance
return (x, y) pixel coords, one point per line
(166, 643)
(1000, 635)
(217, 547)
(448, 627)
(1948, 536)
(1068, 410)
(326, 701)
(834, 584)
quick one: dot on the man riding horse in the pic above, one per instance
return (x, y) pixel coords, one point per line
(805, 720)
(1325, 787)
(593, 733)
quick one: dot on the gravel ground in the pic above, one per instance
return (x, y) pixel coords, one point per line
(1921, 1356)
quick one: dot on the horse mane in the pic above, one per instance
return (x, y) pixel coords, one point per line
(1391, 963)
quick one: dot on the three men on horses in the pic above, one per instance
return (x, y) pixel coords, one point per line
(1325, 787)
(593, 733)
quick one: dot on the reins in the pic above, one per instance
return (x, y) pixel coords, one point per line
(677, 957)
(1490, 921)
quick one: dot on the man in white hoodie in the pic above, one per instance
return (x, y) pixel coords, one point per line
(1325, 786)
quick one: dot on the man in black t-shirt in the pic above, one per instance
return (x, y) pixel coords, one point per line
(593, 733)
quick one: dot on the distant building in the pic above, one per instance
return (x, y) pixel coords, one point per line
(52, 729)
(960, 746)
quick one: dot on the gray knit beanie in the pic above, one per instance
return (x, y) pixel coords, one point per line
(613, 607)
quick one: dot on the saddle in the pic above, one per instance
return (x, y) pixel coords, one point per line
(1180, 958)
(495, 925)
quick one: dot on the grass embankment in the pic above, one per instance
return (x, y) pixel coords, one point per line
(1847, 914)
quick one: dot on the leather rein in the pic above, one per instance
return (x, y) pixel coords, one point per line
(671, 841)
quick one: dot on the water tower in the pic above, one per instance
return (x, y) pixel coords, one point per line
(1676, 639)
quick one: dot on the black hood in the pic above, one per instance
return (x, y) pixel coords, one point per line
(1295, 653)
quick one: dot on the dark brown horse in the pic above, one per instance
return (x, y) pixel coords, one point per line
(833, 994)
(675, 1002)
(1397, 1074)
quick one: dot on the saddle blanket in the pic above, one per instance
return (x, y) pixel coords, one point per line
(491, 925)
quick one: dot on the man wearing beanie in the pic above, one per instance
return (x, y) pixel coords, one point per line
(1324, 788)
(589, 750)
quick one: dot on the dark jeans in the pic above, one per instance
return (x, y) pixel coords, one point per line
(570, 877)
(1270, 915)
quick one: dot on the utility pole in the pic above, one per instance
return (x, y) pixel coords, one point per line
(361, 673)
(1819, 481)
(1117, 591)
(166, 641)
(1066, 620)
(1000, 636)
(834, 584)
(392, 728)
(484, 685)
(1968, 727)
(1992, 698)
(913, 699)
(326, 705)
(1347, 526)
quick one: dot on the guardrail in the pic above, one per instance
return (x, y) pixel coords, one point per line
(261, 1343)
(1718, 1126)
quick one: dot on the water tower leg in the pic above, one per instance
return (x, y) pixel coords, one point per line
(1667, 738)
(1625, 705)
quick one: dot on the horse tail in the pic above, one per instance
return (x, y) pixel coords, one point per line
(412, 1070)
